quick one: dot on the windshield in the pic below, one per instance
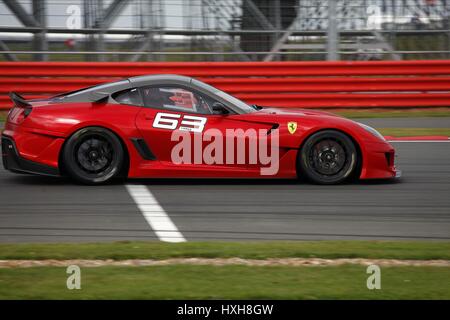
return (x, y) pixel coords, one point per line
(245, 108)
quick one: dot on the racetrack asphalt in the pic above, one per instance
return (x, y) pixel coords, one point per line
(43, 209)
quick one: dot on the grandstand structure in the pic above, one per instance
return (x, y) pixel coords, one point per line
(220, 30)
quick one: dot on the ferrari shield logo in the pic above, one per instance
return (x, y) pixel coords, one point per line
(292, 127)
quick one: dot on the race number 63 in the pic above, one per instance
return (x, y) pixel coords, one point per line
(170, 121)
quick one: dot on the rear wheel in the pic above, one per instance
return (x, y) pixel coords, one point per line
(328, 157)
(93, 155)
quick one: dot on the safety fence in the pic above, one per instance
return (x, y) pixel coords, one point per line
(360, 84)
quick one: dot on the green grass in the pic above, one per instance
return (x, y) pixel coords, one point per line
(405, 132)
(3, 115)
(225, 282)
(250, 250)
(395, 113)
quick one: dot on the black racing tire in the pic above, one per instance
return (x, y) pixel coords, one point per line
(93, 155)
(328, 157)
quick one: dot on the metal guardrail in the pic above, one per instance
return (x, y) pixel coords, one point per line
(424, 83)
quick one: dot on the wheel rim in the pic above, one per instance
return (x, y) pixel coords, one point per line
(94, 155)
(328, 157)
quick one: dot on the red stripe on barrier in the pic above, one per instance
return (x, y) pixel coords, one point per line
(330, 84)
(215, 69)
(247, 85)
(348, 100)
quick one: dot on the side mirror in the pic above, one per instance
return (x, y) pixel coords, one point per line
(219, 108)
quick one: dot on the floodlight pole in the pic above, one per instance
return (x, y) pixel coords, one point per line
(39, 8)
(333, 32)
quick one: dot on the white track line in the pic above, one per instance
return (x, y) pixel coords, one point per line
(155, 215)
(416, 141)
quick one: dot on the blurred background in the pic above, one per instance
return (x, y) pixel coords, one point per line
(226, 30)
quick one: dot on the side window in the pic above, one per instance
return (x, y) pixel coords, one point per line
(130, 97)
(176, 99)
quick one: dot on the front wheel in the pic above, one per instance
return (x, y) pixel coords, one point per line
(328, 157)
(93, 155)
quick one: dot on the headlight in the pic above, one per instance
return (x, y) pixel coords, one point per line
(372, 131)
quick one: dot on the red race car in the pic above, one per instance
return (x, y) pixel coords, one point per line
(175, 126)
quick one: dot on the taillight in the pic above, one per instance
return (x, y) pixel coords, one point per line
(13, 113)
(9, 113)
(18, 114)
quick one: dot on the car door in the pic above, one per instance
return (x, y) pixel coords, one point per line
(175, 114)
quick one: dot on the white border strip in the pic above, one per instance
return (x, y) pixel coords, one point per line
(155, 215)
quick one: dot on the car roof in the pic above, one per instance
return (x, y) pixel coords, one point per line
(93, 93)
(140, 81)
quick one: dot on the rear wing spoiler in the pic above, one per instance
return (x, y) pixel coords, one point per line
(18, 100)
